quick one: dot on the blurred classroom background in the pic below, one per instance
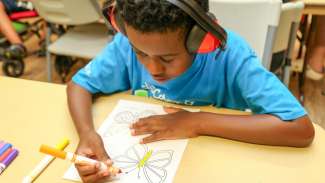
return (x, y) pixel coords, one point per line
(300, 39)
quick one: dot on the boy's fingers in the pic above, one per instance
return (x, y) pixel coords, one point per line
(139, 123)
(152, 138)
(85, 152)
(136, 132)
(152, 123)
(102, 154)
(148, 121)
(85, 170)
(108, 162)
(77, 164)
(150, 129)
(96, 177)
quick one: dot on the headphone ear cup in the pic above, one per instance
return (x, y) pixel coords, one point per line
(200, 41)
(194, 39)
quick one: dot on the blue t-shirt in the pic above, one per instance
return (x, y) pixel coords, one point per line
(233, 78)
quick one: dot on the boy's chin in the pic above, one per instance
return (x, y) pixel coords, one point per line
(161, 80)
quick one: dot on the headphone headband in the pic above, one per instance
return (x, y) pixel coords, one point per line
(200, 16)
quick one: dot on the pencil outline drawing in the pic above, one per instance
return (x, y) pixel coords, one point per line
(128, 117)
(123, 119)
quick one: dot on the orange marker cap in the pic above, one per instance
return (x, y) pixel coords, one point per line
(52, 151)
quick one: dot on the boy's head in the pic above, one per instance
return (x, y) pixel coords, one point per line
(157, 31)
(149, 16)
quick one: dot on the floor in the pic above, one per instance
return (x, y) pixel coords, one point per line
(35, 69)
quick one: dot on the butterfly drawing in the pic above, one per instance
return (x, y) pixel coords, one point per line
(145, 163)
(128, 117)
(123, 119)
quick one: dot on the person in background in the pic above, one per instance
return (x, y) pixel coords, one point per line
(6, 8)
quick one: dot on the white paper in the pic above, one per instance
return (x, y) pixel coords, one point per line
(151, 163)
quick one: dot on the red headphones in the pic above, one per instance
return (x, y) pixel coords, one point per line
(204, 37)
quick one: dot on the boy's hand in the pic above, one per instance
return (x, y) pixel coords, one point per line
(91, 145)
(176, 124)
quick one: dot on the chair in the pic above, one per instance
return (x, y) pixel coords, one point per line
(286, 36)
(255, 20)
(84, 40)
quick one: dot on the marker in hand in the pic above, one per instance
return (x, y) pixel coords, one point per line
(77, 158)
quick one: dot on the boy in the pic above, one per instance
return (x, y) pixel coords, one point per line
(153, 56)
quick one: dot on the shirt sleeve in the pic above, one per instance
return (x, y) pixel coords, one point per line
(107, 72)
(263, 92)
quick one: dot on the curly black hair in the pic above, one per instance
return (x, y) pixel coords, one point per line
(155, 15)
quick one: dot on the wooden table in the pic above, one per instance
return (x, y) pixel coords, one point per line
(34, 113)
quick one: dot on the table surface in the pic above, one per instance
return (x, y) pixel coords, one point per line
(34, 113)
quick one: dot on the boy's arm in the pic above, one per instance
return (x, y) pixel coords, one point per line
(90, 144)
(80, 102)
(106, 73)
(259, 129)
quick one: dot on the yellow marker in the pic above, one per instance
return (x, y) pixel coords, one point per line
(44, 163)
(77, 158)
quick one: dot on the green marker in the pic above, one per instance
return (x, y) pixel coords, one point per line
(141, 93)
